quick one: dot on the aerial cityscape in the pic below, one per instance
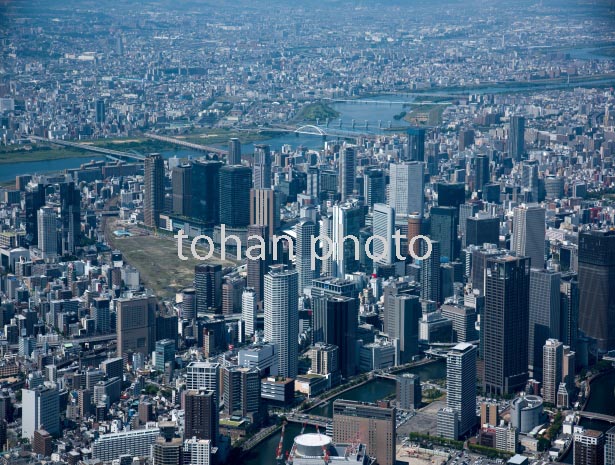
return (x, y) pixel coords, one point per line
(296, 233)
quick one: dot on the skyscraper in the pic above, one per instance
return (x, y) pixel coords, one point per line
(48, 231)
(341, 330)
(569, 305)
(282, 317)
(262, 166)
(35, 200)
(208, 285)
(481, 230)
(242, 391)
(181, 179)
(374, 186)
(234, 152)
(70, 216)
(257, 267)
(528, 237)
(305, 230)
(189, 304)
(346, 222)
(153, 193)
(41, 409)
(588, 447)
(100, 111)
(406, 187)
(235, 185)
(369, 424)
(506, 319)
(544, 316)
(384, 226)
(249, 309)
(461, 385)
(444, 230)
(430, 272)
(596, 290)
(451, 194)
(408, 391)
(553, 357)
(529, 179)
(416, 144)
(136, 325)
(483, 176)
(265, 209)
(206, 191)
(403, 313)
(348, 163)
(516, 141)
(201, 415)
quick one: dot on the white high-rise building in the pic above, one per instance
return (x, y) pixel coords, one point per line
(40, 409)
(197, 451)
(552, 368)
(346, 226)
(383, 222)
(48, 231)
(249, 309)
(461, 385)
(305, 230)
(201, 375)
(282, 317)
(406, 188)
(528, 238)
(326, 229)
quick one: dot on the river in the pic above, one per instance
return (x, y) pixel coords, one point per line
(378, 389)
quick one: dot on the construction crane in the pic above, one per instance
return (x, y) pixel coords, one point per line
(279, 455)
(325, 449)
(291, 456)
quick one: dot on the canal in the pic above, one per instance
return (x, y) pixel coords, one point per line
(378, 389)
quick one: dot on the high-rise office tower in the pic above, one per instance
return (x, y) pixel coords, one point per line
(325, 358)
(544, 316)
(506, 320)
(528, 237)
(596, 290)
(415, 225)
(444, 230)
(265, 209)
(516, 135)
(257, 267)
(430, 272)
(208, 285)
(402, 316)
(552, 369)
(347, 169)
(464, 321)
(201, 415)
(466, 210)
(165, 354)
(100, 111)
(369, 424)
(483, 176)
(153, 192)
(242, 391)
(282, 317)
(249, 310)
(529, 179)
(262, 166)
(70, 216)
(206, 191)
(569, 305)
(136, 325)
(48, 231)
(374, 186)
(466, 138)
(588, 447)
(408, 391)
(305, 230)
(451, 194)
(416, 144)
(341, 317)
(234, 152)
(327, 267)
(203, 375)
(235, 185)
(383, 226)
(313, 182)
(482, 229)
(346, 222)
(480, 255)
(181, 179)
(406, 188)
(461, 385)
(189, 304)
(41, 408)
(233, 285)
(35, 200)
(329, 185)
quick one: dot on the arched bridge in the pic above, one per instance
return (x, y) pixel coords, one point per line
(311, 129)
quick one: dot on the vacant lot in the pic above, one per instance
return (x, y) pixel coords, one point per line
(156, 259)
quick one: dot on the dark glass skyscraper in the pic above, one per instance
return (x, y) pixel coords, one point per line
(257, 268)
(181, 178)
(153, 195)
(481, 230)
(451, 194)
(235, 185)
(206, 191)
(234, 152)
(347, 164)
(374, 186)
(483, 175)
(35, 199)
(596, 289)
(516, 142)
(444, 230)
(430, 272)
(208, 287)
(416, 144)
(507, 285)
